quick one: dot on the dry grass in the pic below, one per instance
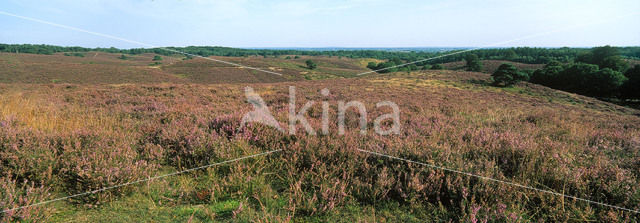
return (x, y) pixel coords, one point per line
(68, 138)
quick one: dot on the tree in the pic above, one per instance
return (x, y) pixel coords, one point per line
(601, 53)
(615, 63)
(510, 54)
(631, 88)
(574, 78)
(437, 67)
(387, 67)
(396, 61)
(547, 76)
(157, 58)
(604, 83)
(372, 65)
(605, 57)
(508, 75)
(587, 79)
(473, 63)
(311, 65)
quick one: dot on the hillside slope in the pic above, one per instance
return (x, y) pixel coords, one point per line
(107, 68)
(69, 137)
(490, 66)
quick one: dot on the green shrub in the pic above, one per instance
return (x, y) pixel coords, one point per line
(437, 67)
(311, 65)
(473, 63)
(631, 88)
(508, 75)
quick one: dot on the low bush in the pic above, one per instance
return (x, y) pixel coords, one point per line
(19, 200)
(91, 162)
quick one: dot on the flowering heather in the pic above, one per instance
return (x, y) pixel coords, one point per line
(69, 139)
(14, 195)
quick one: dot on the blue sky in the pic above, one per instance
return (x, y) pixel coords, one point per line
(324, 23)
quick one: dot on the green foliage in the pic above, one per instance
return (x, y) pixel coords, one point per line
(392, 66)
(581, 78)
(157, 58)
(75, 54)
(519, 54)
(311, 65)
(473, 63)
(288, 58)
(615, 63)
(384, 67)
(605, 57)
(631, 88)
(574, 77)
(510, 54)
(372, 65)
(508, 75)
(437, 67)
(598, 73)
(605, 82)
(547, 75)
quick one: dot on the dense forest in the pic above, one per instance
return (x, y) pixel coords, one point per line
(601, 72)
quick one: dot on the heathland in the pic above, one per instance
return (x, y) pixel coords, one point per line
(72, 122)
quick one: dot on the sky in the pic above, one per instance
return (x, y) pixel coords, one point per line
(324, 23)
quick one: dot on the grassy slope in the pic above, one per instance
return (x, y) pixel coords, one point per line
(528, 134)
(490, 66)
(101, 68)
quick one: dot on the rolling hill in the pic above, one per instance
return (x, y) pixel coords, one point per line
(72, 124)
(100, 67)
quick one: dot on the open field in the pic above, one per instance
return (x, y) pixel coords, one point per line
(319, 111)
(75, 124)
(106, 68)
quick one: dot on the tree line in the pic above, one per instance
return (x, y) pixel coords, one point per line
(601, 72)
(529, 55)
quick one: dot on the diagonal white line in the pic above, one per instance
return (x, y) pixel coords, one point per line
(504, 42)
(498, 181)
(131, 41)
(141, 180)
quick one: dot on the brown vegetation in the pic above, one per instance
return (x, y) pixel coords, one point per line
(63, 139)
